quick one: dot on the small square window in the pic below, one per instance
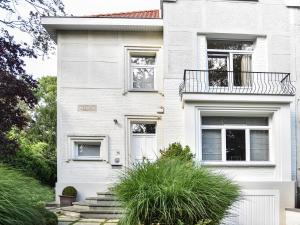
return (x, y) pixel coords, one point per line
(89, 148)
(86, 149)
(142, 71)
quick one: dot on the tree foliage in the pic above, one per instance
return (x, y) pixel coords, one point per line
(36, 154)
(15, 88)
(25, 15)
(43, 128)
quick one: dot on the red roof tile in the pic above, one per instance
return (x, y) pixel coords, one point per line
(146, 14)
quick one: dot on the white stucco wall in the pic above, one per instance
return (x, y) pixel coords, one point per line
(91, 71)
(274, 26)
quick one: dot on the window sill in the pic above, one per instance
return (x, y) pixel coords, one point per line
(238, 164)
(99, 160)
(142, 90)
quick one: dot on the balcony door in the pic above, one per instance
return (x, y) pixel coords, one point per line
(229, 64)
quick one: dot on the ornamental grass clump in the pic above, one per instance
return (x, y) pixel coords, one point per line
(22, 198)
(174, 192)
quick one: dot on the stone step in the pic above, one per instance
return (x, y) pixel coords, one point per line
(92, 214)
(102, 199)
(105, 194)
(98, 205)
(100, 216)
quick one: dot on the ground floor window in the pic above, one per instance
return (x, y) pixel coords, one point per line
(235, 138)
(89, 147)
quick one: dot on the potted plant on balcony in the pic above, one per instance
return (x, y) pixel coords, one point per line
(68, 196)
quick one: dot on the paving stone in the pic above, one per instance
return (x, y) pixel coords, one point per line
(92, 220)
(86, 223)
(64, 223)
(113, 220)
(66, 219)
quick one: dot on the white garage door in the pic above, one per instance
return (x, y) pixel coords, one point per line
(257, 207)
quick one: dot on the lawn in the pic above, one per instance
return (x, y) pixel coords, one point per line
(22, 199)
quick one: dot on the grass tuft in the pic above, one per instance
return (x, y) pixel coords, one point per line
(21, 199)
(173, 192)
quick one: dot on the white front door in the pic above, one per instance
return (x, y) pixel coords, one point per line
(143, 142)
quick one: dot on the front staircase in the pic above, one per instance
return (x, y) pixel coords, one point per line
(104, 206)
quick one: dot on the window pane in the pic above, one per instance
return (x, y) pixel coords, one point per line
(241, 66)
(88, 149)
(230, 120)
(143, 78)
(211, 145)
(143, 128)
(143, 60)
(259, 145)
(218, 66)
(230, 45)
(212, 120)
(235, 145)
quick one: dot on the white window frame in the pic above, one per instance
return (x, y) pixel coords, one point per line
(132, 67)
(75, 140)
(142, 51)
(247, 129)
(230, 54)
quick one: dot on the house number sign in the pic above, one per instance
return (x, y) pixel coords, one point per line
(87, 108)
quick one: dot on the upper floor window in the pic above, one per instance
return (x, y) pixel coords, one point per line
(235, 138)
(229, 62)
(142, 71)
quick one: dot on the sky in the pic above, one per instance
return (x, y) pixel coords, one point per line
(47, 66)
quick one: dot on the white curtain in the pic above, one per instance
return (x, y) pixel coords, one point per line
(246, 79)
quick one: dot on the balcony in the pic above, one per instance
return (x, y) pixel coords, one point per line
(232, 82)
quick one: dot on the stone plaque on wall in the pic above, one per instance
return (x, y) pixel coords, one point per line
(87, 108)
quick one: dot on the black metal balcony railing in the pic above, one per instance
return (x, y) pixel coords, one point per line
(231, 82)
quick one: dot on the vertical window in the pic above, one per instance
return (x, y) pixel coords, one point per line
(211, 145)
(235, 138)
(235, 145)
(229, 61)
(142, 70)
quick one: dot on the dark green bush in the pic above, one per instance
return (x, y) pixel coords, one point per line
(20, 199)
(49, 218)
(174, 192)
(69, 191)
(175, 150)
(32, 158)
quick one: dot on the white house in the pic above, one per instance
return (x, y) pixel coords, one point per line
(217, 75)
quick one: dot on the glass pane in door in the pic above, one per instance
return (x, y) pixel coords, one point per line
(218, 70)
(242, 75)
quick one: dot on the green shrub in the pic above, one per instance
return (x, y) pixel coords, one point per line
(20, 199)
(177, 151)
(69, 191)
(50, 218)
(174, 192)
(32, 158)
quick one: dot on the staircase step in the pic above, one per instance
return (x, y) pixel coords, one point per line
(105, 194)
(100, 216)
(71, 210)
(102, 199)
(95, 206)
(98, 203)
(104, 206)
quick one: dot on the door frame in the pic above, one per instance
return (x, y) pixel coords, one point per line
(138, 119)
